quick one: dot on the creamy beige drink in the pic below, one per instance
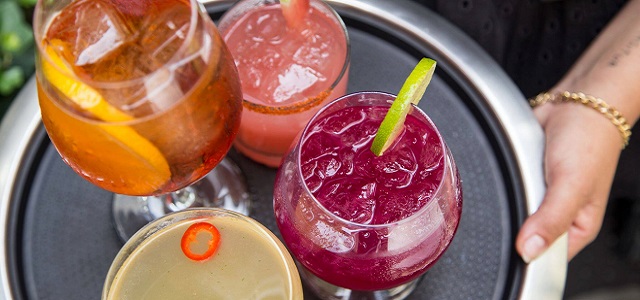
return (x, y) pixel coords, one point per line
(248, 263)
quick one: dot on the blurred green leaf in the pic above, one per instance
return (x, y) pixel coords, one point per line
(11, 80)
(27, 3)
(16, 46)
(17, 40)
(11, 16)
(10, 42)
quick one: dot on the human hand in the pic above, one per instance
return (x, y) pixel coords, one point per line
(581, 154)
(582, 146)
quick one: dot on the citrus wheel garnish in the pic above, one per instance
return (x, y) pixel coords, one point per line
(294, 11)
(411, 92)
(190, 240)
(56, 72)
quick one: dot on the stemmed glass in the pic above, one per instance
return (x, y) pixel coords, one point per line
(366, 227)
(141, 98)
(248, 262)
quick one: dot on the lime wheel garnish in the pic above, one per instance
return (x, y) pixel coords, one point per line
(411, 92)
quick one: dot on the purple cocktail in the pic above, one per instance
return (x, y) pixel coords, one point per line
(362, 222)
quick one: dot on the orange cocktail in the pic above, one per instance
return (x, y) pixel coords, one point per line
(140, 98)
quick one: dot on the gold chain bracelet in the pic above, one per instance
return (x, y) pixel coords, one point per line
(596, 103)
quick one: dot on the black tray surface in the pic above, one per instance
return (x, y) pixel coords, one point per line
(64, 240)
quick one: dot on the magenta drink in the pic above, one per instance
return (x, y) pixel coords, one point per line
(359, 221)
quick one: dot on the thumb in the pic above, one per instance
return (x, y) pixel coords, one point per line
(553, 218)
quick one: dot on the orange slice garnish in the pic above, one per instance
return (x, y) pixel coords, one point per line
(142, 159)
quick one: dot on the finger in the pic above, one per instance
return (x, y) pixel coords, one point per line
(578, 174)
(565, 191)
(553, 218)
(586, 226)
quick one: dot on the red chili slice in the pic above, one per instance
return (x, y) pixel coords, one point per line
(190, 237)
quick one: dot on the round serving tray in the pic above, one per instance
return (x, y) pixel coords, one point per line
(59, 238)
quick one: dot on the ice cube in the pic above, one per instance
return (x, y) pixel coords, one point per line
(332, 239)
(163, 35)
(317, 46)
(317, 144)
(255, 70)
(311, 54)
(348, 125)
(331, 166)
(100, 31)
(162, 89)
(408, 235)
(397, 168)
(392, 207)
(295, 80)
(266, 29)
(351, 200)
(363, 169)
(432, 169)
(371, 241)
(347, 156)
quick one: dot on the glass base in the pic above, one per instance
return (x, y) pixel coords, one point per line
(223, 187)
(328, 291)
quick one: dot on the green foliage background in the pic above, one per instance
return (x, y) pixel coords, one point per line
(16, 48)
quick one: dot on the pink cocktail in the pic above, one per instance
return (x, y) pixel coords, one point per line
(361, 222)
(287, 73)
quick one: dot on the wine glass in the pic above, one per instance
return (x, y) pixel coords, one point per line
(363, 226)
(247, 262)
(141, 98)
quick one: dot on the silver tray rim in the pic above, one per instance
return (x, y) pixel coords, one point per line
(543, 279)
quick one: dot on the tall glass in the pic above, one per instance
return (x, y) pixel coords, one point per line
(141, 99)
(249, 262)
(287, 72)
(361, 226)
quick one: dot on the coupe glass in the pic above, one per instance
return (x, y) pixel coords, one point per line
(141, 98)
(344, 253)
(287, 73)
(249, 263)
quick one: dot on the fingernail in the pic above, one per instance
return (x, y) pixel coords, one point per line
(533, 247)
